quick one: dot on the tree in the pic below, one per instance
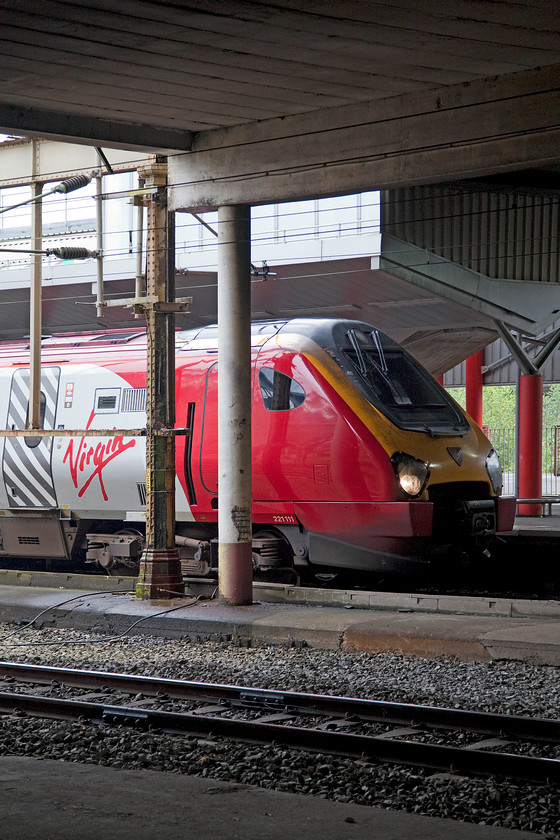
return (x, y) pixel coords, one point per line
(498, 404)
(551, 405)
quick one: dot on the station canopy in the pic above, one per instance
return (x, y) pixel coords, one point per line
(260, 102)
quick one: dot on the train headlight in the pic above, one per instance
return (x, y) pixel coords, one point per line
(494, 470)
(412, 474)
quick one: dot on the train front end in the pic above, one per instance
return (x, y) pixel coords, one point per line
(432, 484)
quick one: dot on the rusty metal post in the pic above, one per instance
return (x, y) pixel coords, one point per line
(100, 291)
(234, 405)
(160, 568)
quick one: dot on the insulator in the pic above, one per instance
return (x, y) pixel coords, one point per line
(71, 253)
(73, 183)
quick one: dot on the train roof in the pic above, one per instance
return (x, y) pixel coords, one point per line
(325, 331)
(62, 347)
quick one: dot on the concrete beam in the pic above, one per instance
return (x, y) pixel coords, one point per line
(77, 128)
(26, 161)
(459, 131)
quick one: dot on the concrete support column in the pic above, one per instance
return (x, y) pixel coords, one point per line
(234, 405)
(529, 468)
(473, 380)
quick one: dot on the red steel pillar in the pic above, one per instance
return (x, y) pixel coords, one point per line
(235, 558)
(473, 380)
(529, 469)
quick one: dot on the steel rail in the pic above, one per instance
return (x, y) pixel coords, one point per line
(487, 723)
(381, 748)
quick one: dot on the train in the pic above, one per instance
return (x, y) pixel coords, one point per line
(361, 460)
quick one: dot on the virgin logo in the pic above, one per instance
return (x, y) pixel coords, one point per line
(89, 461)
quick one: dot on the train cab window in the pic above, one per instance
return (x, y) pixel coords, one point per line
(394, 382)
(279, 391)
(33, 440)
(106, 400)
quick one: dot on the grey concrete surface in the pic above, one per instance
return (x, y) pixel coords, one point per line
(417, 632)
(55, 800)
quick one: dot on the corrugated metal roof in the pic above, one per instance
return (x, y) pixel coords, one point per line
(348, 288)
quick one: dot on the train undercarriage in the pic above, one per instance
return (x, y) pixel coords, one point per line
(284, 553)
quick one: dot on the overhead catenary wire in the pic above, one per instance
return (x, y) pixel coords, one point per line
(287, 235)
(282, 170)
(310, 233)
(349, 228)
(69, 185)
(465, 184)
(399, 201)
(77, 253)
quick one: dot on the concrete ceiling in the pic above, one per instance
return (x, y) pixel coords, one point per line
(151, 74)
(260, 102)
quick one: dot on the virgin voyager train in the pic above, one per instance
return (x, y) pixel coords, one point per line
(360, 459)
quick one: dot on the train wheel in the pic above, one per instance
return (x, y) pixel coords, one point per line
(273, 558)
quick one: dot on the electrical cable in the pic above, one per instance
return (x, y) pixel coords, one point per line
(394, 203)
(472, 190)
(310, 236)
(62, 603)
(324, 231)
(359, 226)
(104, 639)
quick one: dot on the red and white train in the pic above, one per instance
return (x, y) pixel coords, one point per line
(360, 459)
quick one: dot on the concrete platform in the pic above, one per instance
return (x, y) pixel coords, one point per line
(64, 800)
(55, 799)
(428, 626)
(545, 525)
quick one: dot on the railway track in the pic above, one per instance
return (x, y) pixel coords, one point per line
(448, 740)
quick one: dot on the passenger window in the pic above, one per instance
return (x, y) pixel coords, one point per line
(279, 392)
(32, 440)
(107, 400)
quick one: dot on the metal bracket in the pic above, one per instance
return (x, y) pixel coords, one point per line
(142, 304)
(525, 362)
(48, 433)
(179, 305)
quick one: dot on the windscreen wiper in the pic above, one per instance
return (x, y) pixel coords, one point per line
(359, 352)
(382, 359)
(399, 395)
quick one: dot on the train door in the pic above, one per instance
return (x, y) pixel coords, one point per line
(209, 433)
(26, 465)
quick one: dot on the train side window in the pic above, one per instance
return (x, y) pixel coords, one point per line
(279, 391)
(33, 440)
(106, 400)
